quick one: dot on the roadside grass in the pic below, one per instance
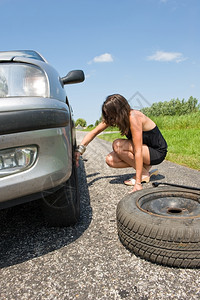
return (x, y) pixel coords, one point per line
(110, 137)
(107, 129)
(182, 134)
(183, 147)
(178, 122)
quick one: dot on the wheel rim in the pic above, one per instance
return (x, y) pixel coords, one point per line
(171, 204)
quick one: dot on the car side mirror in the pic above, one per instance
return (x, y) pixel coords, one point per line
(75, 76)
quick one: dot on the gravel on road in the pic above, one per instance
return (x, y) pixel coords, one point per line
(87, 261)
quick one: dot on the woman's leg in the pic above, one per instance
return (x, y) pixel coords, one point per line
(123, 156)
(114, 159)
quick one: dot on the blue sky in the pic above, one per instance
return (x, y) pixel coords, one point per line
(123, 46)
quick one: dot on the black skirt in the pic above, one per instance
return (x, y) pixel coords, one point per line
(156, 144)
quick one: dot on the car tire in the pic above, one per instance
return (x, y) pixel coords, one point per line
(162, 225)
(62, 208)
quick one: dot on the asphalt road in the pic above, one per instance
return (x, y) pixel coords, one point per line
(88, 261)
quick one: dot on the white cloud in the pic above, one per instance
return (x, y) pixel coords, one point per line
(106, 57)
(167, 56)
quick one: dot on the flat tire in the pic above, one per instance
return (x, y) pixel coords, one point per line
(162, 225)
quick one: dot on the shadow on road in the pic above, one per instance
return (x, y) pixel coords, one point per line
(25, 235)
(119, 179)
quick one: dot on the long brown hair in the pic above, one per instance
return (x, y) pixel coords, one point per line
(116, 111)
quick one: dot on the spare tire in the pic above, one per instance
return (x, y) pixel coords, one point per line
(162, 225)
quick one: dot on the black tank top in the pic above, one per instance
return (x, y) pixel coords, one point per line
(152, 138)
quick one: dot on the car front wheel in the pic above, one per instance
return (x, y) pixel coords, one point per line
(62, 208)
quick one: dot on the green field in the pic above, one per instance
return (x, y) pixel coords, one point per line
(182, 134)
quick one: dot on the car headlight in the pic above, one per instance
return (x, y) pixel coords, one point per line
(16, 160)
(22, 80)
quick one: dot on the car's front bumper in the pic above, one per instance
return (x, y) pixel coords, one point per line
(52, 167)
(20, 114)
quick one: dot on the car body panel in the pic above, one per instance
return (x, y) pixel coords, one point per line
(9, 55)
(44, 122)
(26, 103)
(52, 167)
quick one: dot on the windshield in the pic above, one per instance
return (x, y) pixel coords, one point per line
(22, 80)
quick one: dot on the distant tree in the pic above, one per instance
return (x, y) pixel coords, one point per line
(98, 121)
(90, 126)
(192, 104)
(172, 107)
(81, 122)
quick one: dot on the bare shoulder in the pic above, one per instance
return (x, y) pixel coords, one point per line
(136, 120)
(138, 117)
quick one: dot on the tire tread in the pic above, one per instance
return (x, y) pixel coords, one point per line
(167, 246)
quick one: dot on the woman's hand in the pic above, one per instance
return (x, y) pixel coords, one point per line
(137, 187)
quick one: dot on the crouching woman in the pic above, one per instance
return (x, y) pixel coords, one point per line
(144, 146)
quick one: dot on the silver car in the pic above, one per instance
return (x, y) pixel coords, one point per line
(37, 137)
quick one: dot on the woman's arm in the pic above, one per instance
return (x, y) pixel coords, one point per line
(93, 133)
(88, 138)
(136, 125)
